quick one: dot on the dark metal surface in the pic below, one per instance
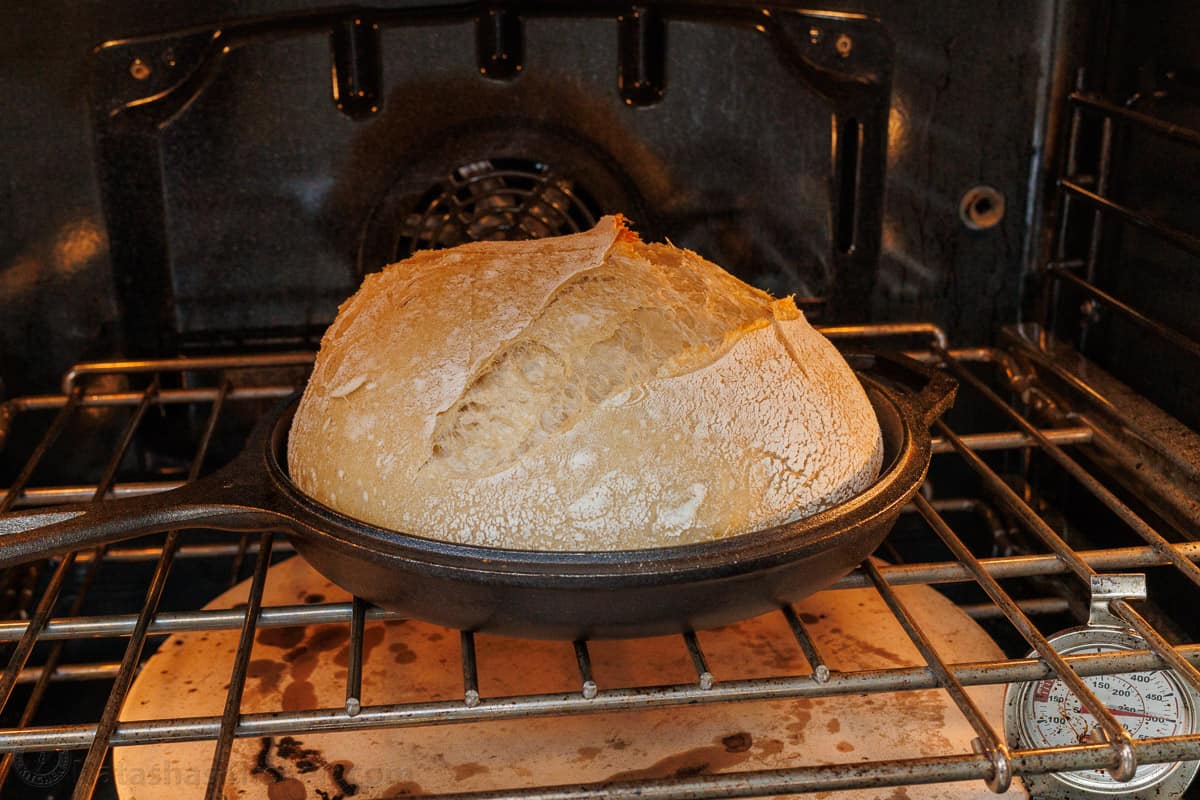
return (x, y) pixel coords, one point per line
(541, 594)
(357, 67)
(167, 128)
(456, 710)
(254, 220)
(990, 743)
(1128, 224)
(237, 681)
(1007, 568)
(484, 199)
(93, 763)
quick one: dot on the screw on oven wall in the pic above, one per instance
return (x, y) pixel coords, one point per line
(139, 69)
(815, 35)
(844, 45)
(981, 207)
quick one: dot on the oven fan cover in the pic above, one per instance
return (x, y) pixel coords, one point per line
(521, 181)
(502, 198)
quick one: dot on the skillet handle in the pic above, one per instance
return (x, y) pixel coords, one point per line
(930, 390)
(217, 501)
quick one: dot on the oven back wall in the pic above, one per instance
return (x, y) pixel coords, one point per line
(966, 88)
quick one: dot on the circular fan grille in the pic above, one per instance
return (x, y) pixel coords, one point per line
(502, 198)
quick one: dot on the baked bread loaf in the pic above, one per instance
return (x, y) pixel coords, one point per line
(586, 392)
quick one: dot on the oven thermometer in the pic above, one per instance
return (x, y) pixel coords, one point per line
(1148, 704)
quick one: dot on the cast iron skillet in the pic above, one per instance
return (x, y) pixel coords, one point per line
(552, 595)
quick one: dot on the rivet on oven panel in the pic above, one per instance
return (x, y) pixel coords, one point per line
(139, 69)
(844, 45)
(981, 207)
(815, 35)
(168, 57)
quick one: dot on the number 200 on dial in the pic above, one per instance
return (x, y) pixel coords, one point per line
(1148, 704)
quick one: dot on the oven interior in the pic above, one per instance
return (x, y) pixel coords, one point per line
(1010, 199)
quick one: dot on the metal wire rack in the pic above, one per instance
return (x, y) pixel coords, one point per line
(211, 387)
(1087, 198)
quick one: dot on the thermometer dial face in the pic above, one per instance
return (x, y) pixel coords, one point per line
(1148, 704)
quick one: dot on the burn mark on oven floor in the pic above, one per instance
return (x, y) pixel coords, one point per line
(737, 742)
(402, 653)
(728, 751)
(372, 638)
(283, 638)
(771, 656)
(328, 638)
(769, 747)
(852, 645)
(299, 696)
(276, 759)
(469, 770)
(801, 712)
(262, 765)
(267, 672)
(302, 662)
(287, 789)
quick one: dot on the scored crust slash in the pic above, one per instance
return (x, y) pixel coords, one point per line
(586, 392)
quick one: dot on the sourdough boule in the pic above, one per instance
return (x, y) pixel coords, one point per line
(585, 392)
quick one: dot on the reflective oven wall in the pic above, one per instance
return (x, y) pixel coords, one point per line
(274, 200)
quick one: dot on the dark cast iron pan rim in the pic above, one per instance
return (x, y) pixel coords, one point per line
(254, 493)
(754, 550)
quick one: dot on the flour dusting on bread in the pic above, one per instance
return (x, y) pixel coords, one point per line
(588, 392)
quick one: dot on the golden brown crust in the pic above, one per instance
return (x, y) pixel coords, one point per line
(588, 392)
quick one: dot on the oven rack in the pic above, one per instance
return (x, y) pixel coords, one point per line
(992, 762)
(1087, 197)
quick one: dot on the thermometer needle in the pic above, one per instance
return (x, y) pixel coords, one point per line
(1117, 712)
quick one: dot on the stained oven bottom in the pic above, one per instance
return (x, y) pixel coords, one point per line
(207, 664)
